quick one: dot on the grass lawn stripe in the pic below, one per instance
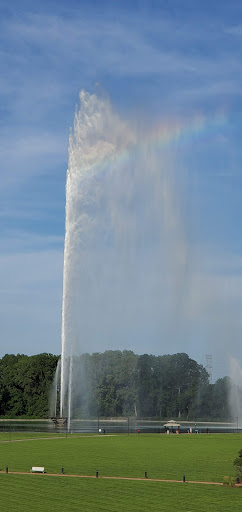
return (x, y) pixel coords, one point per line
(199, 457)
(20, 493)
(112, 477)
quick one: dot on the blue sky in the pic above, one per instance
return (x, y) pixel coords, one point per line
(156, 61)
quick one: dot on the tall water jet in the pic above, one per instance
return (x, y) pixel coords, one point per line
(125, 248)
(54, 391)
(98, 136)
(236, 391)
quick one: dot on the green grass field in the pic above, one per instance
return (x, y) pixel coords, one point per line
(52, 494)
(14, 435)
(199, 457)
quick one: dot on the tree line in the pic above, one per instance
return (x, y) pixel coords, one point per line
(115, 383)
(25, 383)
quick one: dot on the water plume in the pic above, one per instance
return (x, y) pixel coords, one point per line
(125, 257)
(236, 390)
(54, 391)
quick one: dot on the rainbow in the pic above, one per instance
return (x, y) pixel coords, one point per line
(184, 133)
(169, 134)
(177, 133)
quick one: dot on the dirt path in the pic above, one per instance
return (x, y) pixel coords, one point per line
(55, 437)
(115, 478)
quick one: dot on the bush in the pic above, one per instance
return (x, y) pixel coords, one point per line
(238, 465)
(229, 481)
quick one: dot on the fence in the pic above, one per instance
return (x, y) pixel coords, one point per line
(113, 426)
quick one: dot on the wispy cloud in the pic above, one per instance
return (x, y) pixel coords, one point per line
(22, 242)
(54, 47)
(29, 155)
(30, 300)
(235, 30)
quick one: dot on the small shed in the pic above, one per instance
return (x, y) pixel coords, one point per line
(172, 426)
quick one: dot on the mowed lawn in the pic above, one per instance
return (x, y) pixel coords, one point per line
(200, 457)
(21, 493)
(14, 435)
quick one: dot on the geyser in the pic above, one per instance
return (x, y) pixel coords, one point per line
(125, 249)
(236, 390)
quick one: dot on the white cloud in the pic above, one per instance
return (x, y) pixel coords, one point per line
(234, 30)
(27, 155)
(30, 300)
(126, 47)
(21, 242)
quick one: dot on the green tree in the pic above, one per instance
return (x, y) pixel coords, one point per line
(25, 383)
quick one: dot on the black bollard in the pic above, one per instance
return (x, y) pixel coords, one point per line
(146, 474)
(6, 469)
(237, 480)
(62, 470)
(96, 474)
(184, 478)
